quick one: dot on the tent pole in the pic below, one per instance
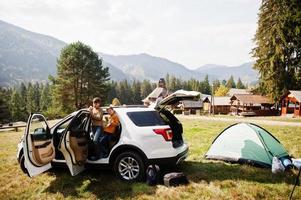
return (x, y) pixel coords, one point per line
(296, 183)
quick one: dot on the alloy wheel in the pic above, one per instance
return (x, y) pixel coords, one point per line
(128, 168)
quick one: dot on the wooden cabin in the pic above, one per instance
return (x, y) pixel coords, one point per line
(191, 107)
(252, 105)
(290, 103)
(220, 105)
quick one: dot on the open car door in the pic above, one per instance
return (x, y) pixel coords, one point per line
(177, 96)
(74, 142)
(37, 145)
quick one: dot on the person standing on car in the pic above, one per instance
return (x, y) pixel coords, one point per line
(96, 114)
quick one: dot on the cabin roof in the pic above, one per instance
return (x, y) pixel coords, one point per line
(251, 98)
(296, 94)
(234, 91)
(221, 101)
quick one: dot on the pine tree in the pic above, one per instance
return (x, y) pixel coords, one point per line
(4, 105)
(136, 91)
(23, 94)
(124, 92)
(23, 91)
(231, 83)
(146, 88)
(80, 77)
(192, 85)
(36, 97)
(278, 47)
(30, 104)
(112, 91)
(206, 86)
(173, 84)
(15, 106)
(216, 85)
(239, 84)
(167, 80)
(45, 100)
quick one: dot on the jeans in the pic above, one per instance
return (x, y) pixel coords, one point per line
(105, 144)
(98, 133)
(101, 141)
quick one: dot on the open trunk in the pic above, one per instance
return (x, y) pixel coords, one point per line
(175, 125)
(170, 119)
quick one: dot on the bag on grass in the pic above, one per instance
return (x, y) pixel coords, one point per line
(297, 163)
(277, 166)
(153, 175)
(175, 179)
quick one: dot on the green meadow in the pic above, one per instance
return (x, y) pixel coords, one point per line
(208, 179)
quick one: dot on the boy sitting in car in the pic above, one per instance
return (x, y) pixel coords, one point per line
(113, 122)
(109, 131)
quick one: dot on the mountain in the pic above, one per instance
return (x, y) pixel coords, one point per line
(145, 66)
(25, 55)
(28, 56)
(115, 73)
(244, 71)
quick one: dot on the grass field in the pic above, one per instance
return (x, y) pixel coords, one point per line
(208, 179)
(273, 118)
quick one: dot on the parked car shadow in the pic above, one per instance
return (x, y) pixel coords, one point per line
(105, 185)
(102, 183)
(215, 170)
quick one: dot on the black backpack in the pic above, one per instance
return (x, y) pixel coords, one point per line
(153, 175)
(175, 179)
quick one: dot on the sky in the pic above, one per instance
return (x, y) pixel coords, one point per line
(190, 32)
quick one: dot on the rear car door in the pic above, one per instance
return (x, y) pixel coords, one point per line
(37, 145)
(74, 142)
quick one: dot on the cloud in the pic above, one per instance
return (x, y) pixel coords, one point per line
(190, 32)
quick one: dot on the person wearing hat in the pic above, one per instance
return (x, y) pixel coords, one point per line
(97, 126)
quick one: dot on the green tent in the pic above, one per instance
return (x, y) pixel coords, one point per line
(246, 143)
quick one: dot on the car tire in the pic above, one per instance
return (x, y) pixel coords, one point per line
(129, 166)
(22, 165)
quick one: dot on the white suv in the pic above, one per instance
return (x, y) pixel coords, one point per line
(145, 136)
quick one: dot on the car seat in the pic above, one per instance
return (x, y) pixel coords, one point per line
(115, 137)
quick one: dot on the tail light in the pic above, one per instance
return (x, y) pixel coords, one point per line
(166, 133)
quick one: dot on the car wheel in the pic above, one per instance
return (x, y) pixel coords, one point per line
(22, 164)
(129, 166)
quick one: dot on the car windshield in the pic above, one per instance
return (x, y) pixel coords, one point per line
(146, 118)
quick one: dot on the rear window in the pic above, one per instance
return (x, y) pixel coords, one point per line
(146, 118)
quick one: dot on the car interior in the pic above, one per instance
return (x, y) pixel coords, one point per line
(79, 131)
(175, 125)
(42, 145)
